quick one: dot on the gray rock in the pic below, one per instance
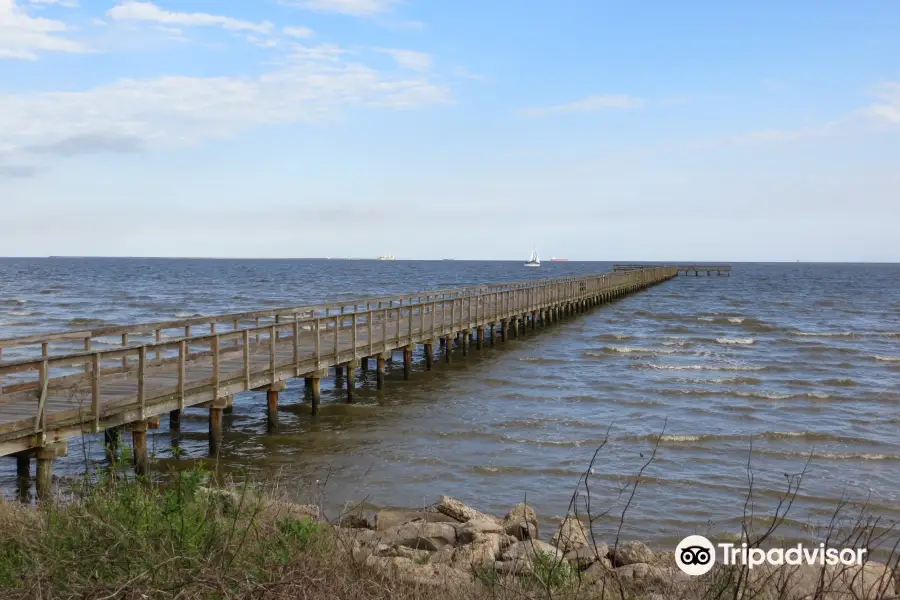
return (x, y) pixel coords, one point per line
(421, 535)
(521, 522)
(571, 535)
(598, 571)
(460, 512)
(584, 557)
(527, 549)
(482, 552)
(470, 530)
(386, 519)
(629, 553)
(428, 575)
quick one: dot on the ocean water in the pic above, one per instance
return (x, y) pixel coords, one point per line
(782, 367)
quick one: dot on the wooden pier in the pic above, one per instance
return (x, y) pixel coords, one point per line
(67, 385)
(694, 269)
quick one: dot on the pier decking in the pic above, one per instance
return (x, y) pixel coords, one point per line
(67, 386)
(694, 269)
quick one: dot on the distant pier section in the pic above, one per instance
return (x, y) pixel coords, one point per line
(692, 269)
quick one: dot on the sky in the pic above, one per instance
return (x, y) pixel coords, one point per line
(591, 129)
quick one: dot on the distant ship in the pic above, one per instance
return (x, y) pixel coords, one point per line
(554, 259)
(386, 257)
(533, 260)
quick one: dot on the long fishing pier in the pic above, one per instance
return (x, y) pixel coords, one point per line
(111, 379)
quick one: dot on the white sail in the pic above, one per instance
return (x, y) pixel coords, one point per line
(533, 260)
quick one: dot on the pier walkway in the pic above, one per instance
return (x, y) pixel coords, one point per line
(73, 383)
(692, 269)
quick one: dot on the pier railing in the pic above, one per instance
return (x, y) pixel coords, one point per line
(54, 396)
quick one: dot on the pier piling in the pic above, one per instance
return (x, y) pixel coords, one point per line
(139, 448)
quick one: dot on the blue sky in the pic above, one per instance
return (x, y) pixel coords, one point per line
(597, 130)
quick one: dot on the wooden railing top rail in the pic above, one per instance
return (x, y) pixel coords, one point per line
(298, 314)
(701, 266)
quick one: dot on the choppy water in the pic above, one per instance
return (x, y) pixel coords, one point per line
(800, 361)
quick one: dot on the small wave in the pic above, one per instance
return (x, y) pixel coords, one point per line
(542, 360)
(680, 342)
(85, 321)
(706, 367)
(813, 436)
(735, 341)
(636, 350)
(613, 336)
(823, 333)
(840, 382)
(831, 455)
(185, 315)
(12, 302)
(708, 319)
(887, 358)
(735, 319)
(20, 313)
(765, 395)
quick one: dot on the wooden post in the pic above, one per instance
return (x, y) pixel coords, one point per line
(364, 364)
(23, 475)
(271, 409)
(429, 355)
(175, 419)
(139, 443)
(338, 375)
(312, 384)
(493, 334)
(504, 324)
(464, 342)
(44, 483)
(379, 367)
(407, 361)
(448, 349)
(351, 381)
(533, 320)
(480, 342)
(215, 428)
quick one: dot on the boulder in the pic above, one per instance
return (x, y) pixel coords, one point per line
(386, 519)
(598, 571)
(429, 575)
(528, 549)
(470, 530)
(421, 535)
(571, 535)
(460, 512)
(482, 552)
(629, 553)
(584, 557)
(521, 522)
(357, 521)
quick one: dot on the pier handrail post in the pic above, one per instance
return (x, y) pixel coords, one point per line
(142, 363)
(182, 359)
(95, 390)
(295, 330)
(245, 338)
(317, 326)
(369, 316)
(337, 337)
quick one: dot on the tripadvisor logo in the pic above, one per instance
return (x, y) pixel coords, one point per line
(696, 555)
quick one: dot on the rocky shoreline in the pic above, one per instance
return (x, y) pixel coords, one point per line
(452, 544)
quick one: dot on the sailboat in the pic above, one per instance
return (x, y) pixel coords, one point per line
(533, 260)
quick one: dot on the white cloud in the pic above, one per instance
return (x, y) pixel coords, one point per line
(593, 103)
(25, 37)
(312, 85)
(298, 32)
(133, 10)
(409, 59)
(888, 107)
(64, 3)
(358, 8)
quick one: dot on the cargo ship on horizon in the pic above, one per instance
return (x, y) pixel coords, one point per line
(554, 259)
